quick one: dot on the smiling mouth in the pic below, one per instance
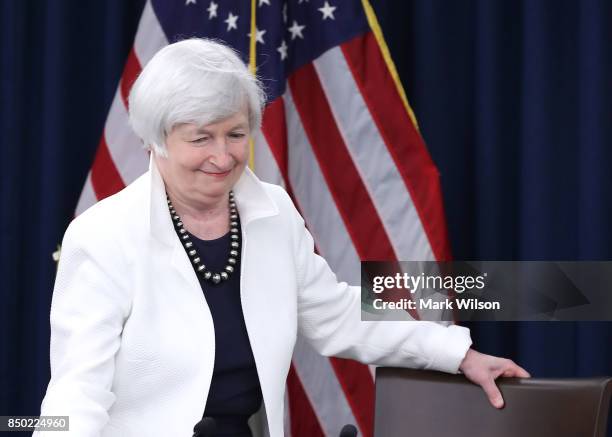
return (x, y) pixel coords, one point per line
(218, 175)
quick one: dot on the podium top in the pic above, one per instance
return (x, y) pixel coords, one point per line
(432, 404)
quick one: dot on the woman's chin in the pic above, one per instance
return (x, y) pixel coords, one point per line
(214, 189)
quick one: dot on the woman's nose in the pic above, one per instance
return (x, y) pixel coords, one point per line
(220, 155)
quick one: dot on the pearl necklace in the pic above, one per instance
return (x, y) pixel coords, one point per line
(234, 253)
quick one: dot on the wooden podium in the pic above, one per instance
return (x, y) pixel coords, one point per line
(421, 403)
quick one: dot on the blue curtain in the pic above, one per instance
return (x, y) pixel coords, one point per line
(60, 63)
(513, 99)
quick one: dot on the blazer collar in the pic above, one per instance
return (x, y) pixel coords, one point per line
(252, 200)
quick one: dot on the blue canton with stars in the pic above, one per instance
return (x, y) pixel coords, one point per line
(290, 33)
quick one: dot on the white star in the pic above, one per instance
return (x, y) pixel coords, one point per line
(212, 10)
(231, 21)
(190, 1)
(258, 35)
(264, 2)
(285, 13)
(282, 49)
(296, 30)
(328, 11)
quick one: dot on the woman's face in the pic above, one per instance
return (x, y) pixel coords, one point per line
(204, 162)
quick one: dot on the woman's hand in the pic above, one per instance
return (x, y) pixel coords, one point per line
(483, 369)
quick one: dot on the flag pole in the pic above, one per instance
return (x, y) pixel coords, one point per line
(253, 69)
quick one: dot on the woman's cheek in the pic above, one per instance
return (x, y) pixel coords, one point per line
(243, 152)
(193, 159)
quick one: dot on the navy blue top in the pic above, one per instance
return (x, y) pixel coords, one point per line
(235, 393)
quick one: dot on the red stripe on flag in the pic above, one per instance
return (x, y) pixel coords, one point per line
(130, 73)
(274, 128)
(304, 421)
(404, 142)
(357, 383)
(348, 190)
(105, 178)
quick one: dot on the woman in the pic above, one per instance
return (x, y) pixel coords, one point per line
(182, 295)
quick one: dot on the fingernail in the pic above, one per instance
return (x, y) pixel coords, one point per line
(499, 402)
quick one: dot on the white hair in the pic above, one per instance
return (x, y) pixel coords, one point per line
(196, 80)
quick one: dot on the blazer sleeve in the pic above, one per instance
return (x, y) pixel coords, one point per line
(88, 310)
(329, 315)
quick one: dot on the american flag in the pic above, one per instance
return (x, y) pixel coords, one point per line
(337, 133)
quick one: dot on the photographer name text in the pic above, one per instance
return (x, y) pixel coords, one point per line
(433, 304)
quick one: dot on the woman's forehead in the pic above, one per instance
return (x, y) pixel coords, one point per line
(236, 121)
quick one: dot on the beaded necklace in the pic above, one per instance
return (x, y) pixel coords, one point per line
(185, 238)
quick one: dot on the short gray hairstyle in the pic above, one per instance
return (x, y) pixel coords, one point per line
(196, 80)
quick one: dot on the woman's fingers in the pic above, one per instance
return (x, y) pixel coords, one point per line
(522, 373)
(490, 388)
(483, 369)
(514, 370)
(493, 393)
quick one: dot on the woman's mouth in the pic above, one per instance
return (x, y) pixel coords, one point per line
(219, 175)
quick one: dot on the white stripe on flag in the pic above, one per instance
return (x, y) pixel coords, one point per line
(372, 158)
(266, 167)
(374, 163)
(125, 148)
(317, 206)
(322, 388)
(150, 37)
(87, 198)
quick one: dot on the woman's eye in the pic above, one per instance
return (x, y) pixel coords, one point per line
(199, 140)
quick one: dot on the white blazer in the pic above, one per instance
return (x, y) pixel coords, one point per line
(132, 337)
